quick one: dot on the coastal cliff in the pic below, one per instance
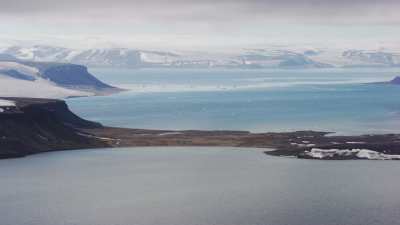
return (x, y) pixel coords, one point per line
(38, 125)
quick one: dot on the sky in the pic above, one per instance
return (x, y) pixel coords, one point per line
(200, 24)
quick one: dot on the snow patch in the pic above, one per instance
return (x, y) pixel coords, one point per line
(28, 70)
(169, 133)
(357, 153)
(303, 145)
(100, 138)
(6, 103)
(10, 87)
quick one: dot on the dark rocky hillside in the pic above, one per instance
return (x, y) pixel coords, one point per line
(39, 125)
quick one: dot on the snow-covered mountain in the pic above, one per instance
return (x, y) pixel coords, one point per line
(39, 53)
(378, 58)
(271, 57)
(91, 57)
(279, 59)
(48, 80)
(122, 57)
(358, 58)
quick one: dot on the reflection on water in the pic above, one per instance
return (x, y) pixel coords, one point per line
(195, 186)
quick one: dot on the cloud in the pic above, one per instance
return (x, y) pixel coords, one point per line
(207, 11)
(200, 23)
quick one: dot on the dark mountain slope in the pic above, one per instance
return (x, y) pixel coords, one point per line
(38, 125)
(72, 76)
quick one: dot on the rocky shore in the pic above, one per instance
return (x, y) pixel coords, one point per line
(29, 126)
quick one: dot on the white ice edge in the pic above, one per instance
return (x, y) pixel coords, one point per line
(187, 87)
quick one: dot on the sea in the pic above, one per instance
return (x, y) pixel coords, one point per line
(216, 185)
(345, 101)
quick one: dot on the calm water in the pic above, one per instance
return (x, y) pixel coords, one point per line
(257, 100)
(215, 186)
(195, 186)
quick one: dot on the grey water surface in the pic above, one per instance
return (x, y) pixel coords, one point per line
(195, 186)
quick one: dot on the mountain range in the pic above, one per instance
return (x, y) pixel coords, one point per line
(272, 57)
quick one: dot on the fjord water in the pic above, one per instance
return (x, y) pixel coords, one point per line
(346, 101)
(195, 186)
(215, 186)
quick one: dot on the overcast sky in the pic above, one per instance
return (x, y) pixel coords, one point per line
(200, 24)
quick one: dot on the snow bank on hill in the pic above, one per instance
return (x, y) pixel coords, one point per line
(28, 70)
(6, 103)
(10, 87)
(20, 79)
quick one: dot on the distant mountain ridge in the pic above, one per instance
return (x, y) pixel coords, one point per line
(378, 58)
(275, 57)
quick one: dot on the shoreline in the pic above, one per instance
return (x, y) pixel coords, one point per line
(43, 125)
(299, 144)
